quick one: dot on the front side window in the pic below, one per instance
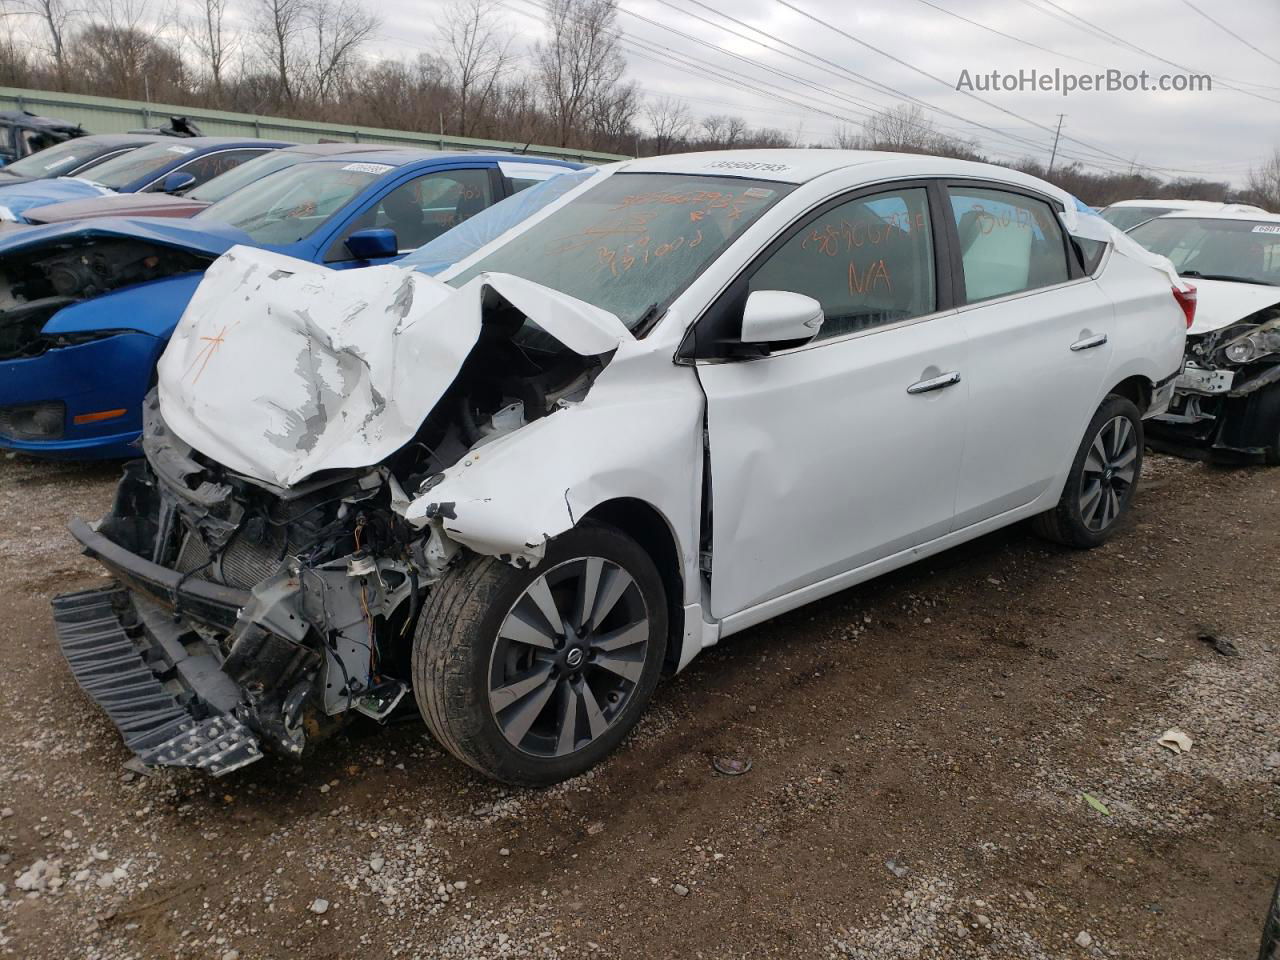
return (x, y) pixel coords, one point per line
(1008, 243)
(209, 166)
(123, 170)
(631, 243)
(289, 205)
(1247, 251)
(869, 262)
(423, 208)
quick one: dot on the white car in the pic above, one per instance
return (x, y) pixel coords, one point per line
(690, 394)
(1127, 214)
(1227, 402)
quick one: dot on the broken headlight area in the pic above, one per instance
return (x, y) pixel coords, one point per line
(36, 284)
(249, 617)
(33, 421)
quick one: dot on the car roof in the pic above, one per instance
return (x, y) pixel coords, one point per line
(398, 156)
(1258, 215)
(210, 143)
(803, 165)
(35, 121)
(328, 149)
(1171, 204)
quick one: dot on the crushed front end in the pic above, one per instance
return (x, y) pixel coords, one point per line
(1226, 405)
(244, 618)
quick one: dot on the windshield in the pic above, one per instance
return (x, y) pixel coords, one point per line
(1126, 218)
(1243, 250)
(53, 161)
(486, 226)
(291, 204)
(228, 183)
(632, 242)
(123, 170)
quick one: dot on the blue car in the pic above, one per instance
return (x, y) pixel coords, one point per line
(87, 307)
(167, 165)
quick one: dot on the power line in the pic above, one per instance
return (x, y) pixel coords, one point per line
(1010, 36)
(1227, 30)
(1093, 29)
(973, 96)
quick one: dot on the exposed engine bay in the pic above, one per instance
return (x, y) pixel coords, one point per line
(1228, 397)
(35, 284)
(276, 613)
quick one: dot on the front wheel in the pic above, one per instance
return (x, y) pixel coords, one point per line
(533, 676)
(1103, 478)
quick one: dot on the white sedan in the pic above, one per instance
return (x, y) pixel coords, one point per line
(688, 394)
(1227, 403)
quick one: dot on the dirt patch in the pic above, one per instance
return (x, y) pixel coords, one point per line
(920, 747)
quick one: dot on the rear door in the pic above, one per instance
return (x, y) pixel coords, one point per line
(1039, 346)
(832, 455)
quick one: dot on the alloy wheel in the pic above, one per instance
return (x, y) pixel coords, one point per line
(1109, 473)
(569, 656)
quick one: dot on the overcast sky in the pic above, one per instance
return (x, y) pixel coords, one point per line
(1217, 134)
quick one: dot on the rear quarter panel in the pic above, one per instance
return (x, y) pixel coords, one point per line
(1150, 330)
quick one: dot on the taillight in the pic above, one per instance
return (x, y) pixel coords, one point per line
(1187, 301)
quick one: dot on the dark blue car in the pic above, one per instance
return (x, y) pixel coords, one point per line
(87, 307)
(167, 165)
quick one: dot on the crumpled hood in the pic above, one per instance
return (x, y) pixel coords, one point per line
(197, 236)
(17, 199)
(1220, 303)
(281, 368)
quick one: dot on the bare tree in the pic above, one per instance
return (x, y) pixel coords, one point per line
(612, 118)
(845, 138)
(1263, 187)
(581, 62)
(476, 54)
(208, 34)
(723, 130)
(338, 29)
(904, 127)
(670, 122)
(55, 18)
(277, 31)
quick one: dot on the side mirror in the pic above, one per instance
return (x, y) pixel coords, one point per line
(780, 318)
(177, 181)
(373, 244)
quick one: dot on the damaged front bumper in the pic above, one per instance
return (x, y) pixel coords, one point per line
(169, 698)
(1225, 415)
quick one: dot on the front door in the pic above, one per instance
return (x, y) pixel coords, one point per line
(831, 455)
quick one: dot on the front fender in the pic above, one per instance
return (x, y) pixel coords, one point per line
(152, 308)
(637, 435)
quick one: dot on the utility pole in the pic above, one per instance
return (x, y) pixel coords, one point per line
(1056, 135)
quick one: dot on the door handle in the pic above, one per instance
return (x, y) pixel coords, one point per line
(1089, 342)
(935, 383)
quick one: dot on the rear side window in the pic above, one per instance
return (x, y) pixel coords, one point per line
(1008, 243)
(869, 262)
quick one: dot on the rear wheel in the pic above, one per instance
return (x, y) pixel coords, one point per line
(1103, 479)
(533, 676)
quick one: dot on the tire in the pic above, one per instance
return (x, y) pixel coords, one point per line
(1084, 524)
(1270, 948)
(500, 686)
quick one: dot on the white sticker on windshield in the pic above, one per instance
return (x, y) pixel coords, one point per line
(182, 150)
(758, 193)
(1267, 228)
(60, 163)
(368, 167)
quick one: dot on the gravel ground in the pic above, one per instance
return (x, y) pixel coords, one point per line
(924, 749)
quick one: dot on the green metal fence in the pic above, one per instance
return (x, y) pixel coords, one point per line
(108, 115)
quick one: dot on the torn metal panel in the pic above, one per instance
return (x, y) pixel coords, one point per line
(279, 374)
